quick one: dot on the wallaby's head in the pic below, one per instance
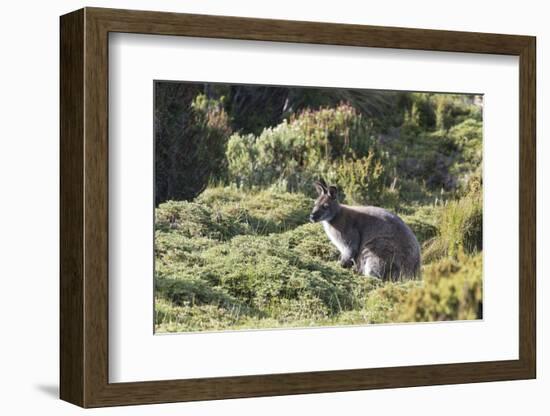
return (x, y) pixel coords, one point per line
(326, 205)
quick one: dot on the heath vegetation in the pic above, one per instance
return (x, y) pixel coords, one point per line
(234, 173)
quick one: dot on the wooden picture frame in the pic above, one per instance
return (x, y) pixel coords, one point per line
(84, 207)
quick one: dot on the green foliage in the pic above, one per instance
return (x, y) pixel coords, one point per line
(422, 113)
(257, 270)
(438, 146)
(171, 318)
(467, 137)
(252, 108)
(451, 109)
(190, 140)
(382, 302)
(451, 290)
(423, 222)
(192, 219)
(222, 213)
(333, 143)
(364, 181)
(425, 158)
(460, 228)
(295, 151)
(216, 269)
(234, 170)
(432, 111)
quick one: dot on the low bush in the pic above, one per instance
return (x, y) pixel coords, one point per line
(451, 290)
(362, 181)
(336, 144)
(452, 109)
(421, 112)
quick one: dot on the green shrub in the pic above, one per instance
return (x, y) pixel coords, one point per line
(381, 303)
(451, 290)
(336, 144)
(190, 143)
(435, 111)
(425, 158)
(452, 109)
(362, 180)
(468, 136)
(191, 291)
(332, 133)
(421, 113)
(311, 240)
(298, 150)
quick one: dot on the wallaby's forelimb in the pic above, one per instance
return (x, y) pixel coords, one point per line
(348, 257)
(347, 262)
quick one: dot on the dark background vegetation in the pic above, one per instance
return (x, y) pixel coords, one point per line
(234, 167)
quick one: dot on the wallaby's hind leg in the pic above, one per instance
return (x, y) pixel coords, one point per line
(373, 266)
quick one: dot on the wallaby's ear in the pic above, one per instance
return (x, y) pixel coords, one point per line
(321, 188)
(332, 191)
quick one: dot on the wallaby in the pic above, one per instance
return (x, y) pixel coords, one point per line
(374, 241)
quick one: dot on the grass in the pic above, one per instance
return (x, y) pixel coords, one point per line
(459, 229)
(239, 260)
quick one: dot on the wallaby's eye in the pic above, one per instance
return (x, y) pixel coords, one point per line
(325, 206)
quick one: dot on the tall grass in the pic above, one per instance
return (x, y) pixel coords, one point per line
(460, 229)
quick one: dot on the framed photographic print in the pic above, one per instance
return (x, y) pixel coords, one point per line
(255, 207)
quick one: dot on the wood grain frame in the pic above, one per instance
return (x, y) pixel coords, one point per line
(84, 207)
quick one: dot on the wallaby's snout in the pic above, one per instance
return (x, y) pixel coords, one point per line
(314, 216)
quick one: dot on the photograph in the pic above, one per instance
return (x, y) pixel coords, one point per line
(295, 207)
(254, 206)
